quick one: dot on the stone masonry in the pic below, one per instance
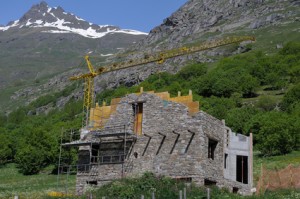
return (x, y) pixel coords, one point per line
(173, 142)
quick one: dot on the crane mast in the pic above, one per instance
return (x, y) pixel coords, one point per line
(159, 58)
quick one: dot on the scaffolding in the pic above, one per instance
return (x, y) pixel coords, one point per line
(91, 153)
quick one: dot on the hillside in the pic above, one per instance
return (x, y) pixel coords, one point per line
(194, 22)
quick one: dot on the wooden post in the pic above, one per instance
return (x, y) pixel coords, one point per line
(184, 193)
(142, 196)
(293, 183)
(261, 178)
(180, 194)
(208, 193)
(153, 195)
(251, 160)
(16, 197)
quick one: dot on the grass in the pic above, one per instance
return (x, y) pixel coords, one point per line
(31, 187)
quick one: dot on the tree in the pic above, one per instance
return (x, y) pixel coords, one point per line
(192, 71)
(273, 133)
(17, 116)
(3, 120)
(38, 150)
(237, 118)
(248, 84)
(290, 49)
(290, 98)
(29, 160)
(219, 107)
(174, 88)
(5, 150)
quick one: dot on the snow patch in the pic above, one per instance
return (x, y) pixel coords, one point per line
(79, 19)
(8, 27)
(106, 55)
(56, 31)
(49, 10)
(38, 22)
(103, 26)
(28, 23)
(132, 32)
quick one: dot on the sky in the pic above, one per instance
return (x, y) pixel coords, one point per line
(142, 15)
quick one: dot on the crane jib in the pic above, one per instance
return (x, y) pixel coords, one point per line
(159, 58)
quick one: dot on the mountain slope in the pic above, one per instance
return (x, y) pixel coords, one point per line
(206, 19)
(47, 41)
(272, 22)
(59, 21)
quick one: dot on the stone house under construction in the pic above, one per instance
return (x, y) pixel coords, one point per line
(153, 132)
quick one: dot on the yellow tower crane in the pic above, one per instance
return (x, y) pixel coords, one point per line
(157, 57)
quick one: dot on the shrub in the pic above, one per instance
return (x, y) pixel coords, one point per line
(291, 97)
(273, 133)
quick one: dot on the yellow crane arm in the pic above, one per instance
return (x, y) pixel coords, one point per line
(162, 56)
(90, 66)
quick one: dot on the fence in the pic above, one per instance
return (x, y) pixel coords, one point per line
(286, 178)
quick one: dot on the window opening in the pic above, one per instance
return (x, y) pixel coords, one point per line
(235, 190)
(106, 159)
(208, 182)
(212, 144)
(93, 182)
(242, 169)
(138, 117)
(225, 160)
(95, 153)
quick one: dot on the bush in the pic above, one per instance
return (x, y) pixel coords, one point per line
(36, 151)
(219, 107)
(290, 98)
(266, 103)
(192, 71)
(30, 160)
(5, 150)
(237, 119)
(274, 133)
